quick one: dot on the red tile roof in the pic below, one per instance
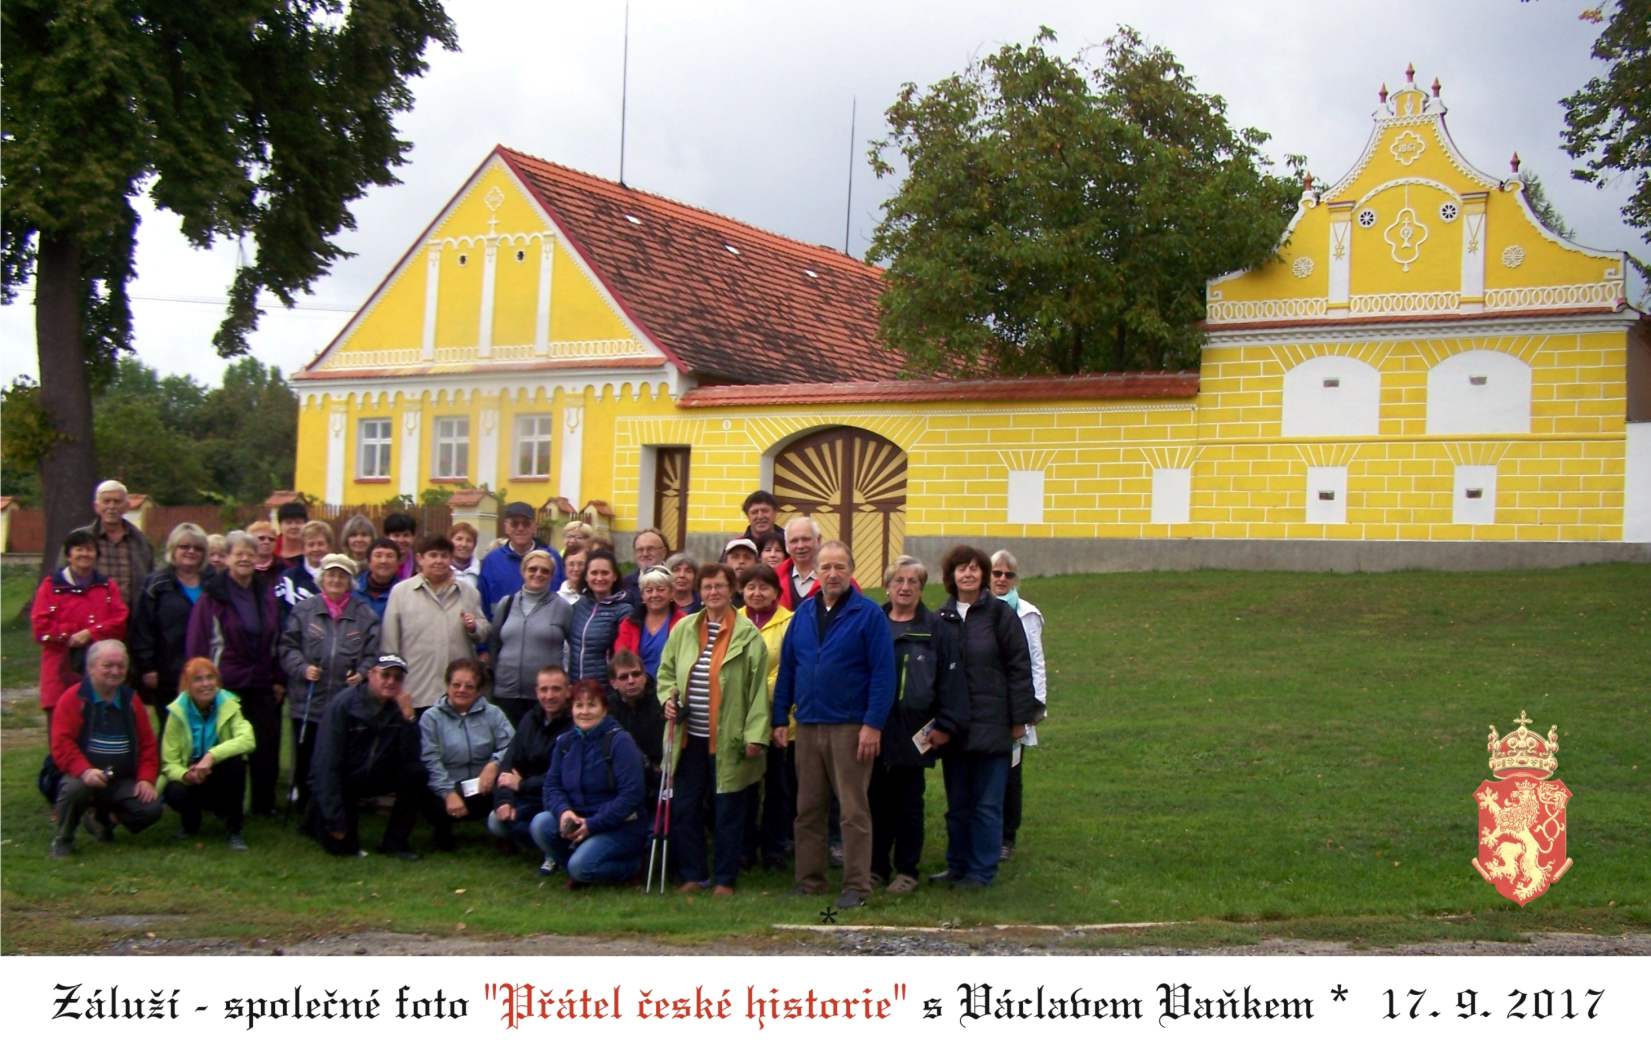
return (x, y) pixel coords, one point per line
(776, 309)
(1123, 386)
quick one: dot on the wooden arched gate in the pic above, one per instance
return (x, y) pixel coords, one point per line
(854, 483)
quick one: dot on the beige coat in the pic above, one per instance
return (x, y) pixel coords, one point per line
(425, 627)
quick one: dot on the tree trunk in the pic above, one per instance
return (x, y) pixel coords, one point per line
(68, 471)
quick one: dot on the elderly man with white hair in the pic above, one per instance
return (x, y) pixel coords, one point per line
(124, 554)
(103, 743)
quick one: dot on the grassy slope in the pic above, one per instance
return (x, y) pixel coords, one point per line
(1256, 753)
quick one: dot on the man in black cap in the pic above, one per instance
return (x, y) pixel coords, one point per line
(368, 745)
(501, 574)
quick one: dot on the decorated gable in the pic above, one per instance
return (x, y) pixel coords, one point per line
(1415, 229)
(491, 281)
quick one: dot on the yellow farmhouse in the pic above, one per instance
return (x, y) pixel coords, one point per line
(1423, 366)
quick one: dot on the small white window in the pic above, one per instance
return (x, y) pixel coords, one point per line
(532, 446)
(1171, 495)
(1326, 495)
(1474, 501)
(452, 455)
(1026, 497)
(373, 452)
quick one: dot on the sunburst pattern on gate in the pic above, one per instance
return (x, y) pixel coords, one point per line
(852, 482)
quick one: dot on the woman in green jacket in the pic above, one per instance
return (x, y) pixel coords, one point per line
(713, 678)
(204, 750)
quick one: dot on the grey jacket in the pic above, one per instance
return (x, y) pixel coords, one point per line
(337, 647)
(456, 746)
(424, 626)
(520, 645)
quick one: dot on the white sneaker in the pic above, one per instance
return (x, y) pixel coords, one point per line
(548, 867)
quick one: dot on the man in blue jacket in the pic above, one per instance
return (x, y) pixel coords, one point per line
(501, 572)
(837, 668)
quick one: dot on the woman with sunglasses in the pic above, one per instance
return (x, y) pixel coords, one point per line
(530, 629)
(160, 616)
(1006, 585)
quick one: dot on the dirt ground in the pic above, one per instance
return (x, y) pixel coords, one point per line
(842, 941)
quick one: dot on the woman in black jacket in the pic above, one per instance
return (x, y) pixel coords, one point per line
(160, 616)
(520, 789)
(931, 691)
(998, 668)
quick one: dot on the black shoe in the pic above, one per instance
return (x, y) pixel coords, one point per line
(1005, 853)
(404, 854)
(807, 890)
(969, 884)
(943, 877)
(849, 900)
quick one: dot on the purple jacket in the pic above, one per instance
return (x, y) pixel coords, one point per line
(245, 655)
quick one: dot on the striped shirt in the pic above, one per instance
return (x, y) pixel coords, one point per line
(699, 686)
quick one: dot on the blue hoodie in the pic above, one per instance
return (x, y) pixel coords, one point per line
(580, 778)
(848, 678)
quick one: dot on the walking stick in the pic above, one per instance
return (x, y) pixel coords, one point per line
(660, 843)
(298, 747)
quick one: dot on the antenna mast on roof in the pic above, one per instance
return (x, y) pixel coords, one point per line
(848, 207)
(624, 91)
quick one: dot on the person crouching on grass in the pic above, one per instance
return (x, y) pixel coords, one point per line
(593, 824)
(103, 744)
(522, 768)
(204, 749)
(463, 735)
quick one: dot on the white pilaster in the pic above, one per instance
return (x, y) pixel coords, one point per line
(432, 287)
(541, 324)
(337, 424)
(573, 445)
(484, 332)
(1474, 232)
(1636, 484)
(1340, 255)
(407, 475)
(487, 448)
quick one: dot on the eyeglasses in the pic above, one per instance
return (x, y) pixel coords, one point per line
(1002, 574)
(189, 547)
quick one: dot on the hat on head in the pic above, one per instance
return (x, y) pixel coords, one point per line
(339, 561)
(390, 660)
(736, 543)
(517, 510)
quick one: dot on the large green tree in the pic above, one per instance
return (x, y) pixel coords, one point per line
(1059, 216)
(1608, 120)
(254, 118)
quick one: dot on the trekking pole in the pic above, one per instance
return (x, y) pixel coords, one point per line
(297, 750)
(662, 807)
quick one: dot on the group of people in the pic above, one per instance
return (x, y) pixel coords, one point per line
(753, 708)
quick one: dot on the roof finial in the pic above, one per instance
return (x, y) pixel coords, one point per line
(1307, 182)
(1514, 161)
(1382, 92)
(1436, 87)
(1410, 73)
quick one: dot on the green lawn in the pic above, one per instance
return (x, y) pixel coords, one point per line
(1253, 753)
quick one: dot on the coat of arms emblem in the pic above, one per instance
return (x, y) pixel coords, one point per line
(1522, 816)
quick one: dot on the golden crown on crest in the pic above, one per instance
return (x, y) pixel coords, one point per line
(1524, 753)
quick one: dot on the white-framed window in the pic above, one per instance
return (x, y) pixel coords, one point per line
(452, 456)
(532, 446)
(372, 458)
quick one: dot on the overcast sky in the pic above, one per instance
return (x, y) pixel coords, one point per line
(743, 108)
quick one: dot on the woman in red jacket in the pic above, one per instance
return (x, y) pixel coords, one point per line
(645, 630)
(74, 607)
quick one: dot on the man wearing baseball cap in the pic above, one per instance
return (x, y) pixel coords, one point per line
(501, 574)
(368, 745)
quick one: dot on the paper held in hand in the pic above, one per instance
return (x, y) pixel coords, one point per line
(921, 738)
(470, 787)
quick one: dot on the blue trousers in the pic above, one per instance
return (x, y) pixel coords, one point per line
(693, 785)
(601, 858)
(975, 784)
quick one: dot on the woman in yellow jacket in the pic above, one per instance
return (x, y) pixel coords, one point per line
(761, 586)
(204, 751)
(713, 678)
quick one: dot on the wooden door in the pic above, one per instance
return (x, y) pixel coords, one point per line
(854, 484)
(671, 495)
